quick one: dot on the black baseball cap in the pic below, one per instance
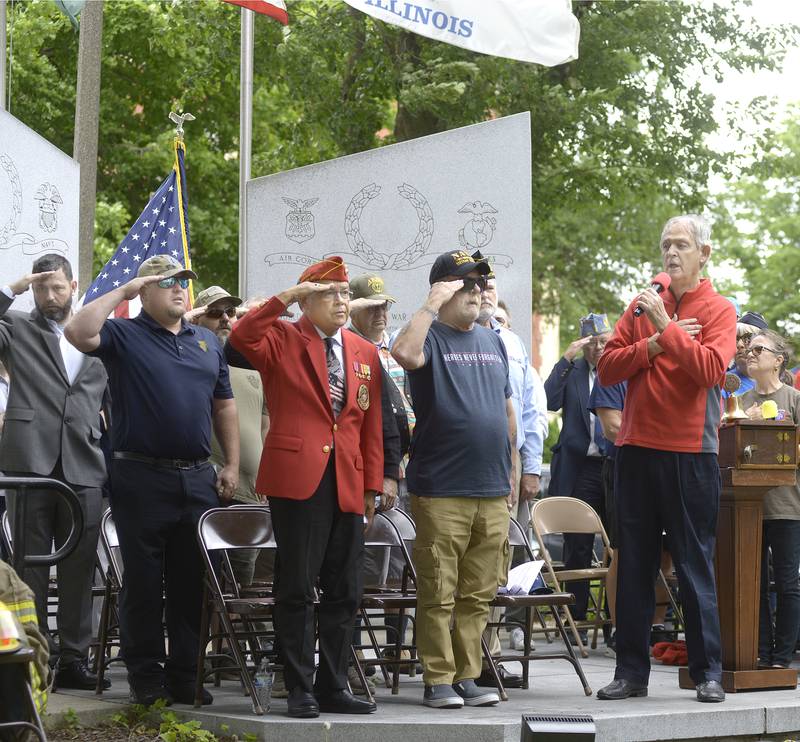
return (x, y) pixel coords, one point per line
(456, 263)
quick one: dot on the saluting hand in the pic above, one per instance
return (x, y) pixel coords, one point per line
(131, 289)
(194, 313)
(576, 346)
(23, 284)
(301, 291)
(441, 292)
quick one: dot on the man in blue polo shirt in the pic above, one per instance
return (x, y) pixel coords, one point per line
(169, 383)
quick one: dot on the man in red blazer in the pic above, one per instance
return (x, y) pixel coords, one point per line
(321, 468)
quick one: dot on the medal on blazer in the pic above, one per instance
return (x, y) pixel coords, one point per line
(362, 371)
(363, 397)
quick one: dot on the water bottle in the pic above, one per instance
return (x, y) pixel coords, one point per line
(262, 681)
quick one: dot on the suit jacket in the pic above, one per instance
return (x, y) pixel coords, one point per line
(567, 389)
(303, 431)
(48, 417)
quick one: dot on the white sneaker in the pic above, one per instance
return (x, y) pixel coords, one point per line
(517, 641)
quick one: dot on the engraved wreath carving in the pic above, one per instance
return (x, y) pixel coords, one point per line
(410, 254)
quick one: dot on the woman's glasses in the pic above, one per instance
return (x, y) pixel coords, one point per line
(756, 350)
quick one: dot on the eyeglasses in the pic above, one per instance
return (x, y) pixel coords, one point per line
(471, 283)
(756, 350)
(217, 313)
(500, 320)
(168, 283)
(331, 294)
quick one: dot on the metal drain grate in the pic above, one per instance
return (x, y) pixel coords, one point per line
(557, 727)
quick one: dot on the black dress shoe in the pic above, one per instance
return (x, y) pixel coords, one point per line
(184, 693)
(302, 704)
(710, 692)
(486, 679)
(77, 675)
(619, 689)
(146, 694)
(344, 702)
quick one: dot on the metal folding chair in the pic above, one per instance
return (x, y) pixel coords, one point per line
(553, 602)
(559, 515)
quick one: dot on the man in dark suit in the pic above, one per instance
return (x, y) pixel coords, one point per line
(576, 468)
(52, 429)
(321, 468)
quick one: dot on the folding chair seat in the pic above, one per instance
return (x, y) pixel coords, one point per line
(559, 515)
(554, 602)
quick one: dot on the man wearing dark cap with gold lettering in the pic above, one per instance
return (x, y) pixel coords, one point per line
(321, 468)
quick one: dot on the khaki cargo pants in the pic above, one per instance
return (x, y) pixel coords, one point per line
(461, 556)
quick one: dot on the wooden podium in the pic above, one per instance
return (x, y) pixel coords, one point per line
(754, 457)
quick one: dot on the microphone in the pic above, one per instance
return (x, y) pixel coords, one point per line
(660, 283)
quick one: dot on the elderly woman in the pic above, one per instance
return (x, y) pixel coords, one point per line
(767, 359)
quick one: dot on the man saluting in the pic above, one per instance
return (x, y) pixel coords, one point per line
(321, 468)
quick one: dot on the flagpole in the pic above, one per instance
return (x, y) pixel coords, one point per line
(245, 137)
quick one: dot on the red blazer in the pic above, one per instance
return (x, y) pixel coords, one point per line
(302, 429)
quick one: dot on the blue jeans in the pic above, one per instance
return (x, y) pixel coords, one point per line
(777, 639)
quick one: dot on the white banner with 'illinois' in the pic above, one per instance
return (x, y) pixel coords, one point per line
(541, 31)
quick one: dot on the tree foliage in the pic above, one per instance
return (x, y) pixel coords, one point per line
(619, 136)
(761, 228)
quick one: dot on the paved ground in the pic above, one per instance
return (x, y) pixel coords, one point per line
(667, 714)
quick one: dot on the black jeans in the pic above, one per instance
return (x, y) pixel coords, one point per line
(776, 641)
(578, 546)
(316, 540)
(679, 493)
(156, 511)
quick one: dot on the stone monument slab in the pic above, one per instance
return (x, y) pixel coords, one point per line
(39, 194)
(392, 210)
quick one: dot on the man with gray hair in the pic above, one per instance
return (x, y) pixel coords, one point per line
(673, 357)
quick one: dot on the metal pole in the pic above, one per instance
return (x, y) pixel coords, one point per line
(3, 54)
(87, 128)
(245, 137)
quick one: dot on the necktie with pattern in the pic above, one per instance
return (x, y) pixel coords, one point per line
(335, 378)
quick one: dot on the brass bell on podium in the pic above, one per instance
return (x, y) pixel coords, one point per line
(732, 409)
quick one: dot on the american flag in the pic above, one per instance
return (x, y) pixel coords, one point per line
(162, 228)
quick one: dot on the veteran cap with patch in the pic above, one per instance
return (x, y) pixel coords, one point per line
(166, 266)
(594, 324)
(369, 291)
(216, 295)
(331, 268)
(456, 263)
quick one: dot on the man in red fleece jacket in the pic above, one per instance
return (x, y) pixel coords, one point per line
(674, 358)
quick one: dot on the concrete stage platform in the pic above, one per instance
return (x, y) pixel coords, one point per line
(667, 714)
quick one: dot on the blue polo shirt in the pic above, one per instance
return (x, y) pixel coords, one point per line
(162, 386)
(612, 397)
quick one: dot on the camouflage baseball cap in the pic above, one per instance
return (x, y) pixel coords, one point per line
(164, 265)
(369, 290)
(213, 294)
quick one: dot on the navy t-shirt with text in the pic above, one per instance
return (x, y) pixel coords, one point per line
(460, 445)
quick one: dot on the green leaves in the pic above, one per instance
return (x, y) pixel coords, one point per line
(620, 136)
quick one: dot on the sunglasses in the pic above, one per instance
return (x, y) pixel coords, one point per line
(756, 350)
(168, 283)
(217, 313)
(471, 283)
